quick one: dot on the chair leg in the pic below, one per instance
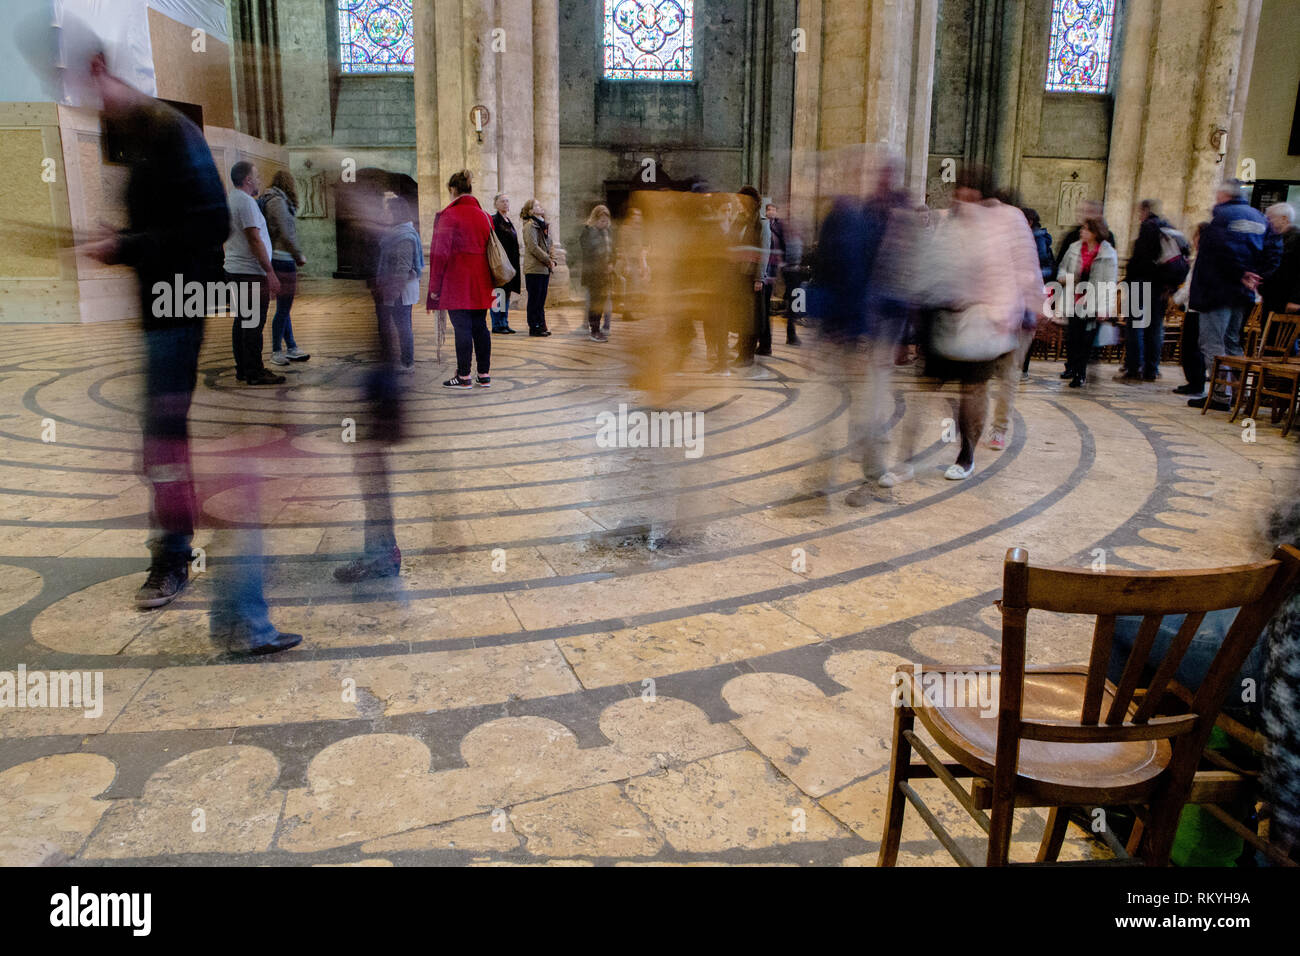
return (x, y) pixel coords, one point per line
(1053, 835)
(1001, 822)
(1239, 394)
(1214, 377)
(895, 803)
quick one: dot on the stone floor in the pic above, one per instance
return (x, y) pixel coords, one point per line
(549, 682)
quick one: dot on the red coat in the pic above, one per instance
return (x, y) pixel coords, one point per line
(459, 277)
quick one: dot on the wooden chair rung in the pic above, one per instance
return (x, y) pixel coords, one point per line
(935, 826)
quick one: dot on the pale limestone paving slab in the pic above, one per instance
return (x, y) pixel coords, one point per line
(108, 607)
(120, 685)
(630, 655)
(731, 800)
(954, 645)
(370, 786)
(484, 831)
(856, 606)
(598, 821)
(49, 806)
(218, 800)
(17, 586)
(820, 742)
(242, 695)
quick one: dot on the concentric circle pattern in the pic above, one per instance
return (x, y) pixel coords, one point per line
(593, 654)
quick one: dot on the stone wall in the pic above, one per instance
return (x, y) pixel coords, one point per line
(1270, 112)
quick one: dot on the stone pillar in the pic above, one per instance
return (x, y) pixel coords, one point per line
(805, 162)
(514, 104)
(481, 71)
(1161, 145)
(918, 139)
(428, 170)
(546, 126)
(1232, 161)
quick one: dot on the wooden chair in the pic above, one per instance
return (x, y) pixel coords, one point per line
(1064, 736)
(1279, 389)
(1241, 372)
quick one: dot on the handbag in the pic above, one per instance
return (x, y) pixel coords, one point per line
(503, 272)
(970, 335)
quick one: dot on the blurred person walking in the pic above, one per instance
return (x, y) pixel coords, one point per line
(177, 219)
(398, 267)
(751, 238)
(1159, 262)
(1189, 341)
(538, 262)
(632, 266)
(248, 263)
(1090, 266)
(1014, 224)
(460, 279)
(980, 276)
(597, 269)
(280, 206)
(509, 238)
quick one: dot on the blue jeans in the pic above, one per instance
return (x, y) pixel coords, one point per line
(501, 320)
(238, 603)
(1221, 335)
(281, 326)
(171, 372)
(395, 333)
(1143, 347)
(1196, 661)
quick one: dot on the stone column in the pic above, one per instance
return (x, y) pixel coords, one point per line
(513, 109)
(1232, 161)
(428, 170)
(918, 139)
(481, 150)
(806, 139)
(546, 127)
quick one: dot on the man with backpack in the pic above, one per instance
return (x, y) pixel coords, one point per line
(1160, 259)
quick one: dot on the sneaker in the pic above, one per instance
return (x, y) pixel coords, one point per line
(508, 331)
(235, 639)
(458, 382)
(896, 476)
(598, 337)
(483, 381)
(998, 440)
(297, 355)
(365, 569)
(265, 378)
(1078, 381)
(958, 473)
(162, 586)
(279, 358)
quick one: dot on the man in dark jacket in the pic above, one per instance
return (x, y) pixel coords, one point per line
(1146, 334)
(505, 230)
(1237, 251)
(178, 220)
(1282, 288)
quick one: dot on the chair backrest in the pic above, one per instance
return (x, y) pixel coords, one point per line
(1257, 589)
(1280, 333)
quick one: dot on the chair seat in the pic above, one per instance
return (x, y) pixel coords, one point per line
(1086, 772)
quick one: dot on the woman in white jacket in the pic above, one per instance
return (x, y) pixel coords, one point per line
(1091, 265)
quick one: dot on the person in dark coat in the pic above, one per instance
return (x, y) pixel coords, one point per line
(178, 218)
(1281, 290)
(597, 267)
(1145, 342)
(509, 239)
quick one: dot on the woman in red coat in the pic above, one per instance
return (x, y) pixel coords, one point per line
(460, 280)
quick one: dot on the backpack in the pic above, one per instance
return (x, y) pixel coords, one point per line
(1172, 265)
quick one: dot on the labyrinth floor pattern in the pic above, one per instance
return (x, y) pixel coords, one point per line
(543, 686)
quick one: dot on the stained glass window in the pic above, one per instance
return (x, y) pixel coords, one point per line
(376, 36)
(1078, 59)
(649, 39)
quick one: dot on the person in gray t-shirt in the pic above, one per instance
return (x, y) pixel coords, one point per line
(248, 263)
